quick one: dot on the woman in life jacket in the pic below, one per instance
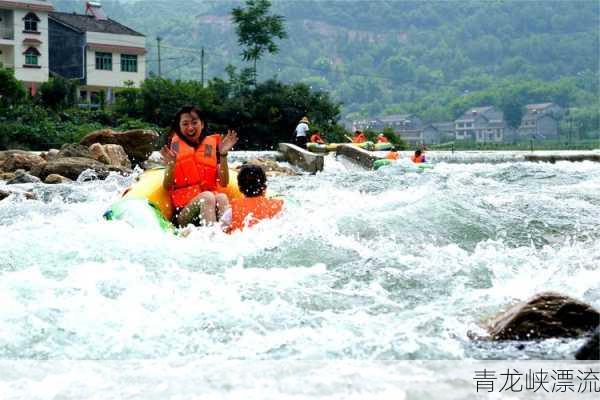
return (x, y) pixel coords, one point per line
(254, 207)
(196, 162)
(418, 157)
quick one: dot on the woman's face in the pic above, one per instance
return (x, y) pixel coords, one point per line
(191, 125)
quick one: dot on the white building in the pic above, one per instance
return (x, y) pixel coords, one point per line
(24, 40)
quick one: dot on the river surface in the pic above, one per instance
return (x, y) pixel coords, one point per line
(362, 266)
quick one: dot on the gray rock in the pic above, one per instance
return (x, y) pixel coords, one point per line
(546, 315)
(72, 167)
(5, 193)
(304, 159)
(23, 177)
(74, 150)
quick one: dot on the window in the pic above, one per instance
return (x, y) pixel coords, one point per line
(104, 61)
(31, 56)
(129, 63)
(31, 22)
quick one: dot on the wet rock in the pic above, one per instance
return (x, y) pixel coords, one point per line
(21, 176)
(302, 158)
(6, 176)
(21, 160)
(5, 193)
(272, 168)
(111, 154)
(53, 179)
(546, 315)
(74, 150)
(591, 349)
(137, 143)
(72, 167)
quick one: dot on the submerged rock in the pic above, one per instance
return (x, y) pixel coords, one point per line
(591, 349)
(5, 193)
(23, 177)
(546, 315)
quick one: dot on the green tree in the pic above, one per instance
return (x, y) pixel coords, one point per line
(58, 93)
(11, 90)
(256, 30)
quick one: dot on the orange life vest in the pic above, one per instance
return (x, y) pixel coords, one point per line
(392, 155)
(258, 208)
(382, 139)
(195, 171)
(418, 160)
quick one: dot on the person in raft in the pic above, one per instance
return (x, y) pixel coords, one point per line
(316, 138)
(382, 139)
(196, 162)
(252, 182)
(418, 157)
(359, 137)
(392, 155)
(301, 131)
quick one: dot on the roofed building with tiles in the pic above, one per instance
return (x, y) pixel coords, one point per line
(101, 53)
(541, 121)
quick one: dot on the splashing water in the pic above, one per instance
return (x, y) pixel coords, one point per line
(363, 265)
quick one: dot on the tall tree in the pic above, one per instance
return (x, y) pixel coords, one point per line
(256, 30)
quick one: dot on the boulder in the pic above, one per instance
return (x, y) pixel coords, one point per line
(21, 160)
(544, 316)
(53, 179)
(137, 143)
(111, 154)
(272, 168)
(302, 158)
(72, 167)
(591, 348)
(74, 150)
(21, 176)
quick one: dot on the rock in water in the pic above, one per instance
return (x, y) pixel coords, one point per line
(546, 315)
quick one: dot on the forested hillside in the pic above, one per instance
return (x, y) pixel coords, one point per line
(388, 56)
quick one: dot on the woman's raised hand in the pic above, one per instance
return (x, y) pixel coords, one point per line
(228, 141)
(168, 155)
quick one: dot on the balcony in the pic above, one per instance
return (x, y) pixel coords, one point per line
(7, 33)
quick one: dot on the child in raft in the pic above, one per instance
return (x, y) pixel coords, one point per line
(196, 162)
(418, 157)
(254, 207)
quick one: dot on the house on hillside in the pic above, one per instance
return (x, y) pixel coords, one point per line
(438, 132)
(541, 121)
(24, 40)
(98, 51)
(481, 124)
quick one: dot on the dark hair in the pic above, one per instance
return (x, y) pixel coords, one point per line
(417, 153)
(252, 180)
(188, 109)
